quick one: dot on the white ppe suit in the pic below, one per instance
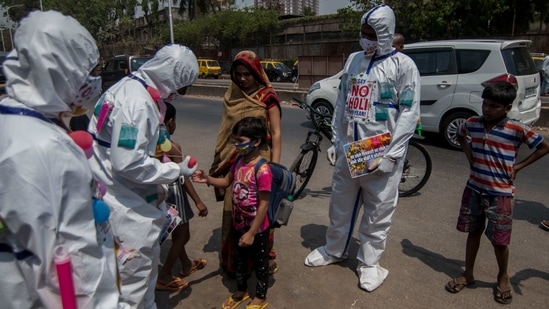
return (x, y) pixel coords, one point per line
(545, 81)
(124, 161)
(46, 183)
(393, 92)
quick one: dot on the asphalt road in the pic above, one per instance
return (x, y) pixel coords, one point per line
(423, 249)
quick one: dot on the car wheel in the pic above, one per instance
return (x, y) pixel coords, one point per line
(451, 126)
(323, 107)
(216, 76)
(278, 79)
(294, 79)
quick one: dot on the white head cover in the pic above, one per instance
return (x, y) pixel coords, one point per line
(53, 55)
(172, 67)
(382, 19)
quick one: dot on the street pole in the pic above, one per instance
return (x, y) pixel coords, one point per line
(41, 8)
(170, 19)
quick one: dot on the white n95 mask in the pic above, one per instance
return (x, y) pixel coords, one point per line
(369, 46)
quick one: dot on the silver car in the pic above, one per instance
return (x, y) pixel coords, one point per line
(453, 76)
(454, 73)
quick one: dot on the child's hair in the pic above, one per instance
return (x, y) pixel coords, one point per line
(170, 112)
(252, 128)
(501, 92)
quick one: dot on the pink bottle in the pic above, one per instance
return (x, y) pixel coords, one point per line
(64, 274)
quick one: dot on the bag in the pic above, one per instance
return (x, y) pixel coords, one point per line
(282, 188)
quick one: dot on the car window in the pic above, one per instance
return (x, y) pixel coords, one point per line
(110, 66)
(433, 61)
(122, 65)
(518, 61)
(138, 62)
(470, 60)
(282, 67)
(213, 63)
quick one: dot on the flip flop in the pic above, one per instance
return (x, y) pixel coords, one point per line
(499, 296)
(455, 285)
(257, 306)
(232, 303)
(197, 265)
(174, 285)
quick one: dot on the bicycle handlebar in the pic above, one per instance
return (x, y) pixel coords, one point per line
(325, 119)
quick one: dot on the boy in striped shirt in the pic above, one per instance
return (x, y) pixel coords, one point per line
(488, 195)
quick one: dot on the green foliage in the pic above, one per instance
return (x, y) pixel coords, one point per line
(443, 19)
(229, 28)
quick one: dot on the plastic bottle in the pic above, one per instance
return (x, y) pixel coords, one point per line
(62, 261)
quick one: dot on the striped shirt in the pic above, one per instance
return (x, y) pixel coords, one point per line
(495, 153)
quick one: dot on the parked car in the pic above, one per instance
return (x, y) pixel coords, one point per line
(277, 71)
(119, 66)
(453, 76)
(208, 68)
(2, 76)
(322, 96)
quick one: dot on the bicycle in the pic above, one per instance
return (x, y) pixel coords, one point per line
(415, 173)
(417, 168)
(304, 165)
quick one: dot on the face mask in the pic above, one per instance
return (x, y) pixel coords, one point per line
(172, 96)
(244, 148)
(89, 92)
(369, 46)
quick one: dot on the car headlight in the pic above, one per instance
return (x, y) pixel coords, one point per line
(313, 87)
(285, 74)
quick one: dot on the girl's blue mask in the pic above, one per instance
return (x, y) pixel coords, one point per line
(245, 148)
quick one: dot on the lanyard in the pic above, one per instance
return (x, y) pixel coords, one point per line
(7, 110)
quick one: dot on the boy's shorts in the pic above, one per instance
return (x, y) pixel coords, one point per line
(178, 197)
(477, 207)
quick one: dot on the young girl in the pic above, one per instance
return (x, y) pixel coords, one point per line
(250, 199)
(181, 234)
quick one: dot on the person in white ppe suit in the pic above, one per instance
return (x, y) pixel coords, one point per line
(46, 185)
(126, 124)
(378, 94)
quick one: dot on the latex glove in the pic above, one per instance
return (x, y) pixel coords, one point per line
(385, 166)
(185, 170)
(331, 154)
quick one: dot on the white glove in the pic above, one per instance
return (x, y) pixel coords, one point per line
(331, 154)
(385, 166)
(185, 170)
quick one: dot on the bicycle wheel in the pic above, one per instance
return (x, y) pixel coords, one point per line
(303, 168)
(416, 171)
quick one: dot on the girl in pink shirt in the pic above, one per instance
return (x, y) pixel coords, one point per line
(250, 200)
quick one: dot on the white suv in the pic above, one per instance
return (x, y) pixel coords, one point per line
(454, 73)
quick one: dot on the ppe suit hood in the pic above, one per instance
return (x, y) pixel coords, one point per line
(382, 19)
(173, 67)
(53, 55)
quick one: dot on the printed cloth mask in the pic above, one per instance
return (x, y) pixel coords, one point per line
(244, 148)
(89, 92)
(369, 46)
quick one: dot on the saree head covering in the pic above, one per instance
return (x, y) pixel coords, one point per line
(238, 105)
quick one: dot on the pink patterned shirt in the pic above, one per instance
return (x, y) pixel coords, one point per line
(246, 186)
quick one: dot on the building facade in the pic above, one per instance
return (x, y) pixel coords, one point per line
(290, 7)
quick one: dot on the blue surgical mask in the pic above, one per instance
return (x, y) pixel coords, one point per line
(245, 148)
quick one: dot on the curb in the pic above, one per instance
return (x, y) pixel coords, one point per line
(219, 91)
